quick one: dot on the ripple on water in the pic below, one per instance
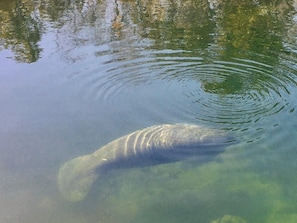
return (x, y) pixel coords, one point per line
(235, 94)
(241, 91)
(129, 68)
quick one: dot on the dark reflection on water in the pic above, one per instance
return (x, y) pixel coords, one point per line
(21, 30)
(77, 74)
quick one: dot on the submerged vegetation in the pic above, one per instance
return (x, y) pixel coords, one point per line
(225, 187)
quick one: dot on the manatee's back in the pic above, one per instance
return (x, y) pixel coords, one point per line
(159, 144)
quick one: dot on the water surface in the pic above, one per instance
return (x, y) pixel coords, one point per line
(75, 75)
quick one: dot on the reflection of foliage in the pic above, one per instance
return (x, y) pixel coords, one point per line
(178, 24)
(247, 28)
(56, 8)
(253, 27)
(21, 31)
(247, 25)
(230, 85)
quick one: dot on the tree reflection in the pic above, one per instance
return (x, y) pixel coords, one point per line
(247, 29)
(177, 24)
(195, 25)
(21, 30)
(255, 26)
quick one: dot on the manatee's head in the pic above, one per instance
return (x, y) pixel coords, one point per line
(188, 134)
(75, 178)
(215, 137)
(195, 139)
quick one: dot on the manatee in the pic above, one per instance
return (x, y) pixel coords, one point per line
(150, 146)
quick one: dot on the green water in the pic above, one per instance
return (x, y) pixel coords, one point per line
(75, 75)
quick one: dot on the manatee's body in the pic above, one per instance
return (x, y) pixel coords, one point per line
(150, 146)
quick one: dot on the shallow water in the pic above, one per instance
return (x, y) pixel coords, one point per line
(76, 75)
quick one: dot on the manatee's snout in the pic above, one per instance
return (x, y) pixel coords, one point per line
(217, 138)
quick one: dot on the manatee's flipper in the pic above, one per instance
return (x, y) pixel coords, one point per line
(75, 178)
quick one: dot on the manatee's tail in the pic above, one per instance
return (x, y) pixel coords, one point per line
(76, 177)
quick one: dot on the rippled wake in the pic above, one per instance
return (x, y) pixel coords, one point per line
(235, 93)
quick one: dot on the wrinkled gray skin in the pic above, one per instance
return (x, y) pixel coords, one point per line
(150, 146)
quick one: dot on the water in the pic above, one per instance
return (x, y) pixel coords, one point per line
(75, 75)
